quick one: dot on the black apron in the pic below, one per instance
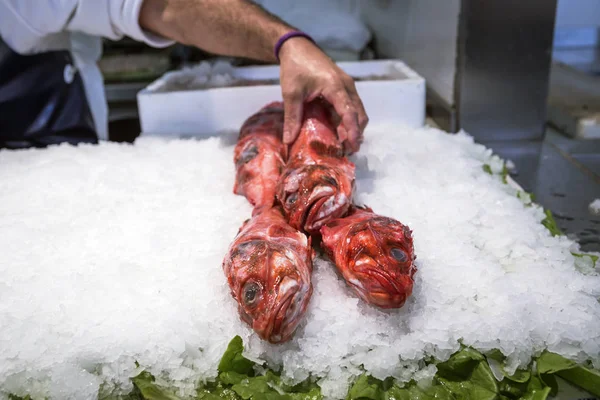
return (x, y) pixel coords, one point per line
(42, 101)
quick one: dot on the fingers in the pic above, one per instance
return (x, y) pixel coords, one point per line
(302, 84)
(349, 128)
(293, 102)
(363, 118)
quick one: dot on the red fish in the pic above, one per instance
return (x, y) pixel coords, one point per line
(317, 183)
(374, 254)
(259, 156)
(268, 267)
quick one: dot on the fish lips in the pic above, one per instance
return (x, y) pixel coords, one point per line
(279, 323)
(318, 198)
(374, 284)
(326, 204)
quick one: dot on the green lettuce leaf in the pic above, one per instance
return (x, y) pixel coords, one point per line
(592, 256)
(550, 363)
(520, 376)
(579, 375)
(237, 381)
(233, 360)
(467, 375)
(216, 390)
(413, 392)
(365, 387)
(148, 390)
(586, 378)
(550, 223)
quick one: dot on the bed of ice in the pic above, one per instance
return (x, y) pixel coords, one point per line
(206, 74)
(594, 207)
(112, 254)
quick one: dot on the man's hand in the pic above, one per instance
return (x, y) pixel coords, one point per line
(241, 28)
(307, 73)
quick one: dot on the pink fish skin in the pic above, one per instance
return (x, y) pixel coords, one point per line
(317, 184)
(268, 267)
(259, 156)
(374, 254)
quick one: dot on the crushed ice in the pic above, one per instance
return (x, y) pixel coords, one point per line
(112, 254)
(594, 207)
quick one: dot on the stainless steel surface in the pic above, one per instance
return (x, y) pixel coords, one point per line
(504, 57)
(501, 72)
(553, 171)
(420, 32)
(423, 34)
(574, 101)
(486, 63)
(441, 112)
(584, 59)
(583, 153)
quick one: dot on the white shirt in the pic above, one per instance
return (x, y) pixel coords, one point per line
(34, 26)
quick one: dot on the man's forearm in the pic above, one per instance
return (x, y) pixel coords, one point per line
(236, 28)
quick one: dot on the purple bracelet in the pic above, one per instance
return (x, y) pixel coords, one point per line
(287, 36)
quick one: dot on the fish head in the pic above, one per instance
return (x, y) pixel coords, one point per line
(375, 255)
(314, 194)
(271, 283)
(318, 139)
(259, 164)
(269, 120)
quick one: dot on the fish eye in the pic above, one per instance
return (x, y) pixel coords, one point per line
(331, 181)
(399, 255)
(251, 291)
(248, 155)
(292, 198)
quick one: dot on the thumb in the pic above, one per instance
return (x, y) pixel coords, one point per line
(293, 110)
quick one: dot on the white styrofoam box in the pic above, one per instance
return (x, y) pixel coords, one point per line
(400, 98)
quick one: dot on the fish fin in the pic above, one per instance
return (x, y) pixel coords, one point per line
(243, 225)
(264, 206)
(259, 210)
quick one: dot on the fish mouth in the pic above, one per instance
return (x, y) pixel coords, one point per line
(382, 289)
(289, 306)
(279, 325)
(326, 204)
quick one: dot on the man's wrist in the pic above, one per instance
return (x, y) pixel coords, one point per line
(293, 34)
(296, 45)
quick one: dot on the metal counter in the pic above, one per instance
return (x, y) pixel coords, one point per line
(564, 176)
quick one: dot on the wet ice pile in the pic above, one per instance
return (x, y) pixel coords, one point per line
(594, 207)
(204, 75)
(112, 254)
